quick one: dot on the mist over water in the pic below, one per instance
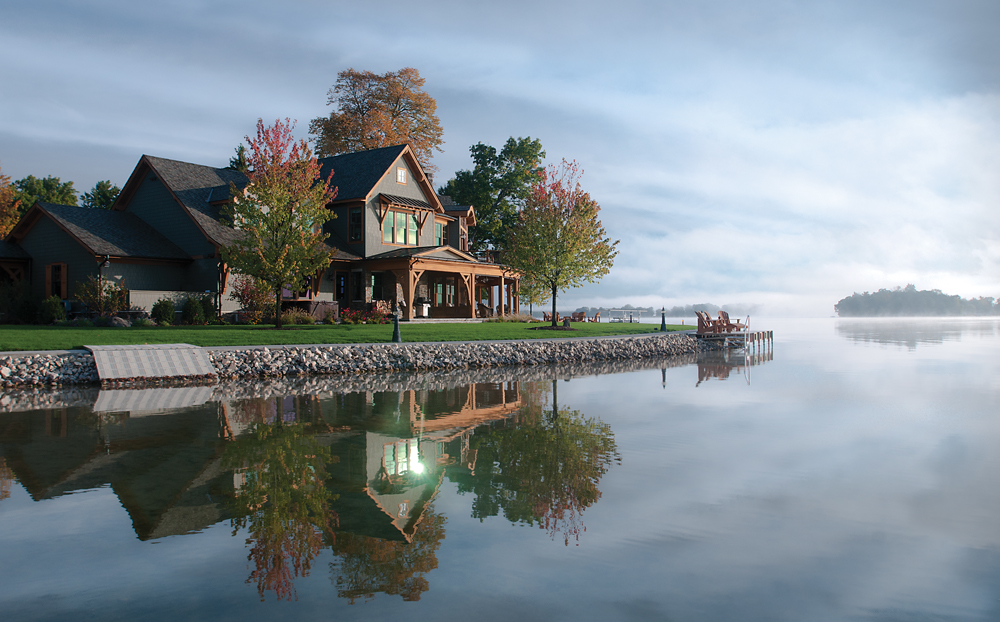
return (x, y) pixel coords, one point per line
(849, 473)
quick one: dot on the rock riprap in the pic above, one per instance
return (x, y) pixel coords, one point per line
(79, 368)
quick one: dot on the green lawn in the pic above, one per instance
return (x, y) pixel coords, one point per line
(66, 338)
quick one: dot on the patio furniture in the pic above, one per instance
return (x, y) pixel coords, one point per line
(596, 318)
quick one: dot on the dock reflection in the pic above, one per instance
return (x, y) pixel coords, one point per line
(721, 364)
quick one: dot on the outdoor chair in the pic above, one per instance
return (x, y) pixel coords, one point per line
(578, 316)
(727, 325)
(596, 318)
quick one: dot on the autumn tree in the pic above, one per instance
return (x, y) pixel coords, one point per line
(497, 186)
(48, 189)
(544, 471)
(379, 110)
(280, 213)
(283, 502)
(368, 565)
(101, 196)
(10, 211)
(558, 241)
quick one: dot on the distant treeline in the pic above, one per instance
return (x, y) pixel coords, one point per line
(678, 311)
(910, 301)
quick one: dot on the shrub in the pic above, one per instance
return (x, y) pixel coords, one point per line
(163, 312)
(27, 311)
(52, 310)
(328, 318)
(105, 298)
(357, 316)
(297, 316)
(208, 308)
(193, 312)
(102, 321)
(83, 323)
(12, 294)
(254, 298)
(143, 322)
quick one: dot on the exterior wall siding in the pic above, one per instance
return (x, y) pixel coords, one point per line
(153, 203)
(47, 243)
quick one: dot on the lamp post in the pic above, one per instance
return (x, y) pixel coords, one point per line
(396, 337)
(663, 320)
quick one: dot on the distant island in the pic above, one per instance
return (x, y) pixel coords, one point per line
(909, 301)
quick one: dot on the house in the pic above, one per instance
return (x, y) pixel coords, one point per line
(394, 241)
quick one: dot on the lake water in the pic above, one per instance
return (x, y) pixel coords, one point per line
(851, 474)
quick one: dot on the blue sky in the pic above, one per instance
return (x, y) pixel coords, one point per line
(779, 153)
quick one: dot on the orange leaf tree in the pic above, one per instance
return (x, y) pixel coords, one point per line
(9, 206)
(558, 241)
(379, 110)
(280, 213)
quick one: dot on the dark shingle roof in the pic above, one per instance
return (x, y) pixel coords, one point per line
(10, 250)
(107, 232)
(398, 200)
(195, 185)
(446, 200)
(355, 174)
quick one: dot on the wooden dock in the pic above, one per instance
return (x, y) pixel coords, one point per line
(751, 341)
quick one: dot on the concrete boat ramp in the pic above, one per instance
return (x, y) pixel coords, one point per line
(166, 361)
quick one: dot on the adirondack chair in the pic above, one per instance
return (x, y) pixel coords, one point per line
(706, 324)
(546, 317)
(579, 316)
(483, 311)
(596, 318)
(725, 324)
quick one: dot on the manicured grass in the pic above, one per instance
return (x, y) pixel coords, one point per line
(67, 338)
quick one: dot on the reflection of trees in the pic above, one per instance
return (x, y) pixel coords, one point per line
(369, 565)
(544, 471)
(6, 479)
(281, 500)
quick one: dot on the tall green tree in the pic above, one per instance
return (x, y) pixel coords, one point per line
(48, 189)
(102, 195)
(379, 110)
(280, 213)
(239, 161)
(497, 186)
(558, 241)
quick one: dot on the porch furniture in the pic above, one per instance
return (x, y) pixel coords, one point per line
(578, 316)
(483, 311)
(596, 318)
(726, 325)
(706, 324)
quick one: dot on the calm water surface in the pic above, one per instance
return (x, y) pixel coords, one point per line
(851, 474)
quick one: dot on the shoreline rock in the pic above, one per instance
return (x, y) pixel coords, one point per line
(40, 370)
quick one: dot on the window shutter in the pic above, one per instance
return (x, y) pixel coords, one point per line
(63, 281)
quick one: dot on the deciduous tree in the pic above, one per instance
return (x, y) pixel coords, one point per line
(280, 213)
(49, 189)
(497, 187)
(558, 241)
(102, 195)
(379, 110)
(10, 211)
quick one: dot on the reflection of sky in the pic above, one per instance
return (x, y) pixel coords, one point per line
(851, 479)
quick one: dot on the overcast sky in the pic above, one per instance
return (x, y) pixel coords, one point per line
(779, 153)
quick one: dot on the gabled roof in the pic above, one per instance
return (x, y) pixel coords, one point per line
(462, 210)
(10, 250)
(103, 232)
(199, 189)
(356, 174)
(427, 252)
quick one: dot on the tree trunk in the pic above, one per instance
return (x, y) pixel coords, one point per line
(277, 308)
(555, 322)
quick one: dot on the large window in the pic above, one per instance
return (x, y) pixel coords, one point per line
(55, 280)
(357, 225)
(400, 228)
(440, 234)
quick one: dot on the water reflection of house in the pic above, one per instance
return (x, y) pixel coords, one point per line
(391, 466)
(163, 467)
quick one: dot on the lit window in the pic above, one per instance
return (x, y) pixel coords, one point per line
(400, 175)
(411, 232)
(401, 228)
(387, 226)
